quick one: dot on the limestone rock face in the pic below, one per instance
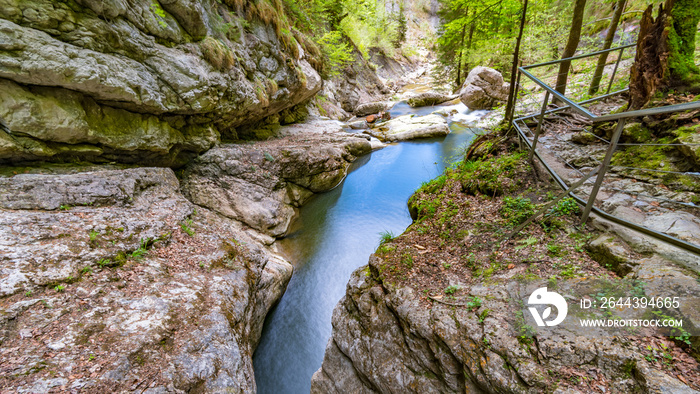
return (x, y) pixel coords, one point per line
(128, 285)
(410, 127)
(386, 340)
(483, 89)
(429, 98)
(261, 186)
(137, 83)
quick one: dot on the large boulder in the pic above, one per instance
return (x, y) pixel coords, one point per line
(429, 98)
(483, 89)
(139, 83)
(409, 127)
(372, 108)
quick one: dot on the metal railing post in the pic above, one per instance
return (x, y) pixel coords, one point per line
(603, 169)
(617, 64)
(539, 125)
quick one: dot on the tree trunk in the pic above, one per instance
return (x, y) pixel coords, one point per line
(651, 61)
(685, 16)
(514, 70)
(469, 43)
(571, 45)
(665, 52)
(458, 80)
(598, 75)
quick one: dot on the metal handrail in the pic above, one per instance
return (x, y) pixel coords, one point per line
(621, 119)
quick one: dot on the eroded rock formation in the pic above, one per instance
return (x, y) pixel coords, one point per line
(137, 83)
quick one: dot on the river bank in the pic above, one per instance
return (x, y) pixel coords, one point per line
(440, 307)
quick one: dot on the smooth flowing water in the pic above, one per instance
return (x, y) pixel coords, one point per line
(334, 234)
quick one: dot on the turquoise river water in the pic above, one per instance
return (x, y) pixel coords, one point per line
(334, 234)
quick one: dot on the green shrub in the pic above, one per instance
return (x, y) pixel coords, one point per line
(517, 210)
(566, 206)
(452, 289)
(386, 237)
(336, 52)
(493, 176)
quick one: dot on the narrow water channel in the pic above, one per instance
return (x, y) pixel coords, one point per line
(334, 234)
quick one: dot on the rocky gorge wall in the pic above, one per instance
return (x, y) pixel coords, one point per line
(112, 280)
(142, 81)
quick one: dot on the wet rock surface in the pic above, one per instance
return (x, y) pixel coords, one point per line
(408, 127)
(429, 98)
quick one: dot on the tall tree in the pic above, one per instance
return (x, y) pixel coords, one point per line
(665, 51)
(609, 37)
(514, 70)
(685, 16)
(571, 45)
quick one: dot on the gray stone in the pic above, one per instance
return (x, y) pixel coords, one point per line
(429, 98)
(483, 89)
(111, 81)
(191, 307)
(372, 108)
(262, 185)
(410, 127)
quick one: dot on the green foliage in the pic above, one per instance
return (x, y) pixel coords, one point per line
(385, 237)
(493, 176)
(475, 302)
(159, 14)
(141, 251)
(681, 62)
(60, 288)
(449, 290)
(564, 207)
(336, 52)
(407, 260)
(529, 241)
(104, 263)
(186, 227)
(483, 315)
(517, 210)
(554, 249)
(386, 249)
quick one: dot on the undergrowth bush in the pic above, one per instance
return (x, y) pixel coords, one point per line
(493, 176)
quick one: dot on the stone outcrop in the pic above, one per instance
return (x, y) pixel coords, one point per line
(689, 138)
(262, 185)
(410, 127)
(139, 83)
(372, 108)
(385, 339)
(127, 285)
(429, 98)
(131, 286)
(483, 89)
